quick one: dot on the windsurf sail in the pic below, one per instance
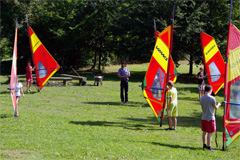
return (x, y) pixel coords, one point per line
(231, 118)
(13, 80)
(161, 69)
(45, 64)
(213, 62)
(154, 84)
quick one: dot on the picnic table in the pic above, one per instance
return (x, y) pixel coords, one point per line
(64, 79)
(80, 78)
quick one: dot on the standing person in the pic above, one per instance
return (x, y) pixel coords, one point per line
(19, 90)
(29, 78)
(124, 74)
(172, 109)
(208, 125)
(201, 82)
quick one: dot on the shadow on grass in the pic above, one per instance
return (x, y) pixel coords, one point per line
(174, 146)
(5, 92)
(149, 123)
(136, 76)
(5, 115)
(185, 90)
(129, 104)
(112, 124)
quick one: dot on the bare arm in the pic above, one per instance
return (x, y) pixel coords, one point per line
(22, 92)
(169, 103)
(217, 106)
(120, 76)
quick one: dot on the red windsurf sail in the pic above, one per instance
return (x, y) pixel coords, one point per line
(231, 120)
(45, 64)
(154, 84)
(213, 62)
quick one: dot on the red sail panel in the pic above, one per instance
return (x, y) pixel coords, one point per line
(155, 79)
(213, 62)
(45, 64)
(232, 118)
(13, 80)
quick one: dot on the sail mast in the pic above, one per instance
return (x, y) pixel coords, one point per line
(169, 60)
(226, 79)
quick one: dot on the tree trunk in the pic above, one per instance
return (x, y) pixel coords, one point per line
(190, 65)
(94, 62)
(100, 57)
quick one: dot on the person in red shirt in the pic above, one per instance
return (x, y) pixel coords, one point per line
(29, 78)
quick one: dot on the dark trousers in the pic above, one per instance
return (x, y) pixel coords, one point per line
(124, 87)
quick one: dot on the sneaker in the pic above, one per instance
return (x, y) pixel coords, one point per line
(173, 129)
(28, 91)
(168, 129)
(15, 114)
(210, 149)
(204, 146)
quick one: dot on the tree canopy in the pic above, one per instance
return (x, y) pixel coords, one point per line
(80, 33)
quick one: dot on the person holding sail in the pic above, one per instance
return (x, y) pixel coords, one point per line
(208, 125)
(172, 109)
(124, 74)
(29, 78)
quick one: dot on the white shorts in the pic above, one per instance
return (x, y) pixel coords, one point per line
(201, 87)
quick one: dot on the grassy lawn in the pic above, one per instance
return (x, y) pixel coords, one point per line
(89, 122)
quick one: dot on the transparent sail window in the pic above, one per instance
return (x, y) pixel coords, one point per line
(235, 98)
(214, 71)
(158, 84)
(41, 70)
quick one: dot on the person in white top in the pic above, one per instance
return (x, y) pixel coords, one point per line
(19, 90)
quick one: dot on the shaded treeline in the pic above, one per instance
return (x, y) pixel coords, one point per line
(80, 33)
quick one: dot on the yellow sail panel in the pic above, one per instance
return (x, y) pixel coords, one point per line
(161, 53)
(210, 50)
(35, 42)
(234, 64)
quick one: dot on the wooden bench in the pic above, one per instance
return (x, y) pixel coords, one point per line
(80, 78)
(64, 79)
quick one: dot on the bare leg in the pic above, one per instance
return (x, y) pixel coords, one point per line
(30, 84)
(204, 137)
(209, 139)
(175, 122)
(170, 122)
(16, 112)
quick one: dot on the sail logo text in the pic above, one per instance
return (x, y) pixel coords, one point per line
(210, 49)
(159, 50)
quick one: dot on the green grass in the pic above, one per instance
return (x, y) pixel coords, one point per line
(89, 122)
